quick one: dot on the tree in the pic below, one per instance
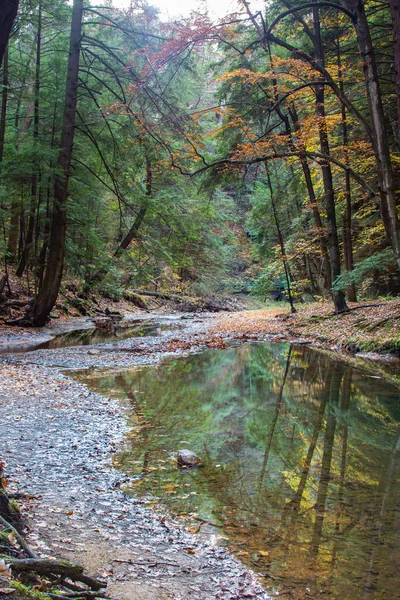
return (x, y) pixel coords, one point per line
(7, 17)
(50, 287)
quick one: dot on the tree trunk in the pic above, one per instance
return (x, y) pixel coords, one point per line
(4, 97)
(14, 220)
(24, 262)
(281, 243)
(379, 138)
(333, 240)
(395, 12)
(8, 13)
(326, 264)
(347, 220)
(48, 292)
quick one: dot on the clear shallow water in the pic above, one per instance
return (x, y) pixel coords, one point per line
(89, 336)
(301, 461)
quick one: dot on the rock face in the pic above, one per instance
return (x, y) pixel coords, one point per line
(187, 458)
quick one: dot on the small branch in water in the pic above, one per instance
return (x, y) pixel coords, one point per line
(203, 522)
(147, 564)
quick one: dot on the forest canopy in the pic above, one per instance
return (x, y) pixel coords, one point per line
(256, 153)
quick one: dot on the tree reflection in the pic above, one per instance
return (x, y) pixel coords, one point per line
(300, 461)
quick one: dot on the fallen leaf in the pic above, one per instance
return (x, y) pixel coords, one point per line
(4, 570)
(12, 539)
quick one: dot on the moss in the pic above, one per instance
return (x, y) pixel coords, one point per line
(25, 592)
(14, 506)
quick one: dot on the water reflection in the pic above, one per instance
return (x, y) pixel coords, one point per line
(301, 458)
(91, 336)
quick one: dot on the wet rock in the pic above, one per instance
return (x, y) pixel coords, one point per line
(187, 458)
(93, 352)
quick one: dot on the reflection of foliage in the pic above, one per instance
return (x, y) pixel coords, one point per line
(284, 466)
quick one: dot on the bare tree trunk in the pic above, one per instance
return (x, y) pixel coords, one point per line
(379, 138)
(326, 264)
(4, 98)
(395, 12)
(333, 240)
(48, 292)
(8, 12)
(347, 220)
(281, 243)
(24, 262)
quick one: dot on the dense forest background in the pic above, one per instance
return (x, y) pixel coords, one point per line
(259, 153)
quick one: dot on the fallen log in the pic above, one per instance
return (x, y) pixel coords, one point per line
(211, 304)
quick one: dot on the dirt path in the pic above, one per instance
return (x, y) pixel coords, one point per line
(57, 440)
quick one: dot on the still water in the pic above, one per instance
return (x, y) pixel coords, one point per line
(301, 455)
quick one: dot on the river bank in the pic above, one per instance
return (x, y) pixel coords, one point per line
(60, 438)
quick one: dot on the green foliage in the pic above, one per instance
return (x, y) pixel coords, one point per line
(379, 263)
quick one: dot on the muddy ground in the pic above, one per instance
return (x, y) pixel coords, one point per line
(58, 439)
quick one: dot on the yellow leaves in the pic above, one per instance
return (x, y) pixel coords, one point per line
(246, 76)
(272, 146)
(170, 488)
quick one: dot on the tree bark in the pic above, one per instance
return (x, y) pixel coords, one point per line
(48, 292)
(8, 13)
(4, 98)
(326, 264)
(395, 12)
(333, 240)
(281, 243)
(25, 257)
(347, 216)
(379, 138)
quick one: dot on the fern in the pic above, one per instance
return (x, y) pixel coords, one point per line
(380, 262)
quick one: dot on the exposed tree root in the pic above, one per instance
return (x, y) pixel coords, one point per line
(31, 553)
(44, 566)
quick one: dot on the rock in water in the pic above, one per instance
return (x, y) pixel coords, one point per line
(187, 458)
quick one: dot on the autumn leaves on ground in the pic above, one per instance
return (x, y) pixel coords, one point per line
(366, 327)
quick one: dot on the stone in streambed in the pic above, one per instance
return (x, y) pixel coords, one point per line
(187, 458)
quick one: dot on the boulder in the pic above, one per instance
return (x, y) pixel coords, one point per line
(187, 458)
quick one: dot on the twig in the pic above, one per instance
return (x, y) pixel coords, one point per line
(147, 564)
(85, 594)
(207, 522)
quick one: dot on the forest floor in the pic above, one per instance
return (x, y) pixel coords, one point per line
(59, 439)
